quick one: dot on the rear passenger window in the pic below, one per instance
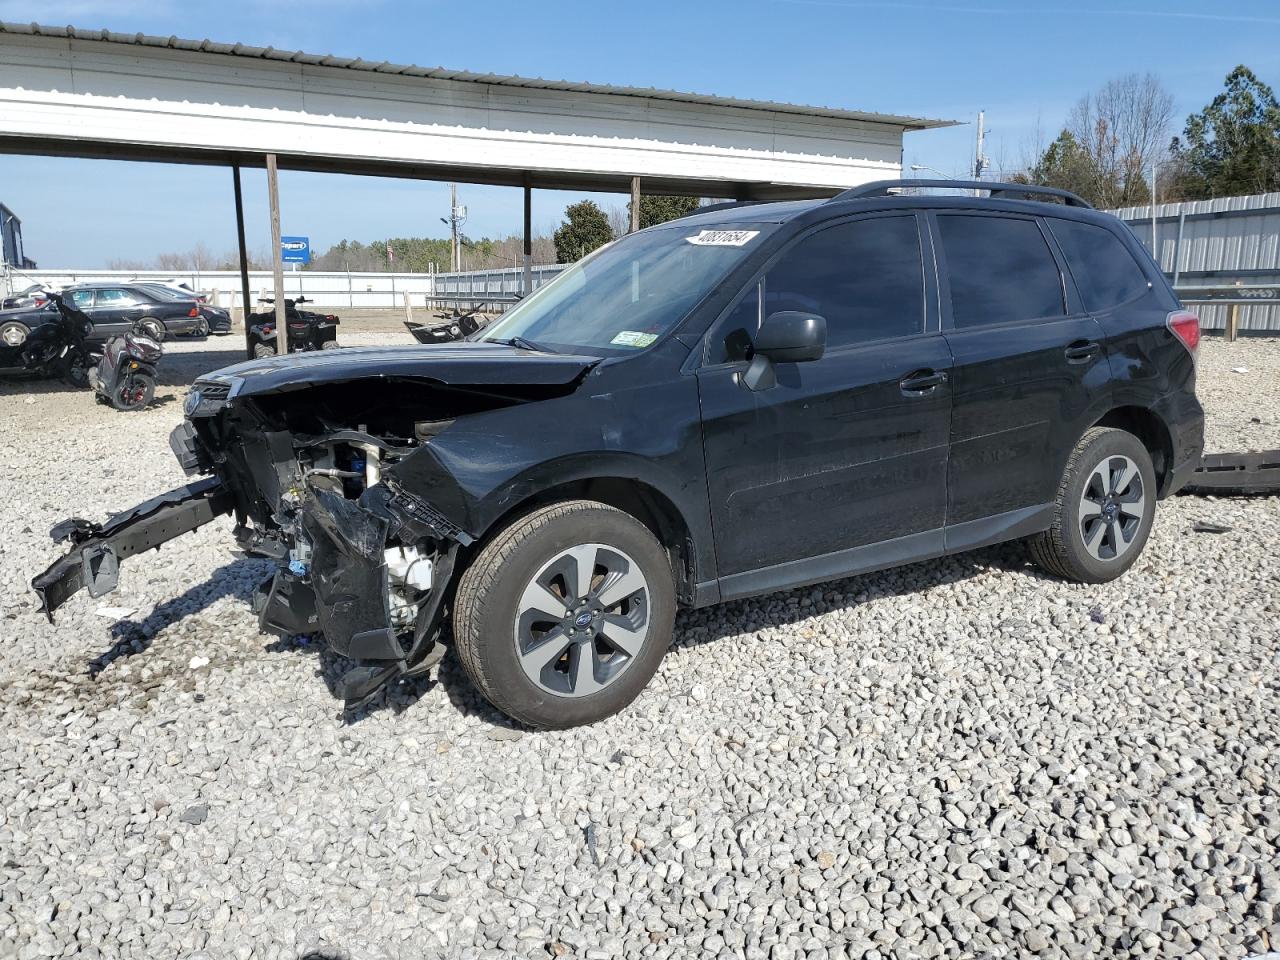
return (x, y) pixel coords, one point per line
(1105, 272)
(865, 277)
(1000, 269)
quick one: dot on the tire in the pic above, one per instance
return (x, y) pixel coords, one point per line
(1090, 546)
(134, 392)
(329, 345)
(201, 331)
(498, 612)
(263, 350)
(153, 329)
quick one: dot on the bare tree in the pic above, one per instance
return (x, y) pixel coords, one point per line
(1122, 129)
(619, 220)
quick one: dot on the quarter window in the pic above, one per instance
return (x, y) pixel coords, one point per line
(1000, 269)
(865, 277)
(1105, 272)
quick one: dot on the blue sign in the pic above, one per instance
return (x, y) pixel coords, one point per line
(295, 249)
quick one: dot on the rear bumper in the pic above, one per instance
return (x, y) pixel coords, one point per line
(94, 560)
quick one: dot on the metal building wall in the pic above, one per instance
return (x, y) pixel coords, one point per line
(1228, 240)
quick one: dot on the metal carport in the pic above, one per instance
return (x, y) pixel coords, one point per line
(99, 94)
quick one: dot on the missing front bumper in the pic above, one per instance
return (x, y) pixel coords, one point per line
(94, 561)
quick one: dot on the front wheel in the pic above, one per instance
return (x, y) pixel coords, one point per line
(133, 392)
(263, 350)
(329, 345)
(564, 616)
(1103, 513)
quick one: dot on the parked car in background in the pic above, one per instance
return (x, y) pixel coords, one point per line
(114, 308)
(32, 296)
(217, 319)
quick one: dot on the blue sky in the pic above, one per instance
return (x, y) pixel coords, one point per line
(1024, 63)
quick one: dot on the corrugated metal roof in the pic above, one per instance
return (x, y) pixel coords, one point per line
(443, 73)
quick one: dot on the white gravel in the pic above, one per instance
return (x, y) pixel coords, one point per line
(961, 758)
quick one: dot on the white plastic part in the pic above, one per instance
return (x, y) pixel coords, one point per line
(406, 567)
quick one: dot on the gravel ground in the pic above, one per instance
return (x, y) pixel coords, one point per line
(960, 758)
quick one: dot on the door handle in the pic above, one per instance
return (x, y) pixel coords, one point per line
(922, 382)
(1081, 351)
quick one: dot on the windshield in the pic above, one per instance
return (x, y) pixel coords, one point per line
(624, 296)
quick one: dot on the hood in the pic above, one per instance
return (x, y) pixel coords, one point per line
(448, 363)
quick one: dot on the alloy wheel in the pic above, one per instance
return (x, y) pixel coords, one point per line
(1112, 506)
(581, 620)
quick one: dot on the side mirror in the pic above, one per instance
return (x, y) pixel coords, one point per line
(788, 336)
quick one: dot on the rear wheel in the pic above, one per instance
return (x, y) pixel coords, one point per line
(202, 329)
(1104, 509)
(263, 350)
(564, 616)
(133, 392)
(329, 345)
(153, 329)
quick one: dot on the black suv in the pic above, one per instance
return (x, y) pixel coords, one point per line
(745, 400)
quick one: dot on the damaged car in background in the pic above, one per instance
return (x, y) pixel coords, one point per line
(752, 398)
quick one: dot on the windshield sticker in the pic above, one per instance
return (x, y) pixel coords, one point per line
(633, 338)
(723, 238)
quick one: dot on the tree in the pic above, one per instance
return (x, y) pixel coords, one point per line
(1232, 146)
(1110, 142)
(659, 209)
(1063, 164)
(585, 228)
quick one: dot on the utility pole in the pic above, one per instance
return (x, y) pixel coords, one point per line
(979, 157)
(453, 227)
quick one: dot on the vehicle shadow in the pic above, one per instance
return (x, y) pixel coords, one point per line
(131, 637)
(784, 609)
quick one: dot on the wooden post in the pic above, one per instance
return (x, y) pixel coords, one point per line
(527, 286)
(277, 268)
(1233, 321)
(408, 308)
(635, 205)
(244, 261)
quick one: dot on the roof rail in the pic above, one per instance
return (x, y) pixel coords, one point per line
(882, 188)
(714, 207)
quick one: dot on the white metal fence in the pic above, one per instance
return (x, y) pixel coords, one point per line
(333, 289)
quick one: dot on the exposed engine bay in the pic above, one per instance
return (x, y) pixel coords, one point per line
(314, 474)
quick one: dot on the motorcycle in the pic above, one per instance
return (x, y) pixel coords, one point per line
(307, 330)
(56, 346)
(125, 376)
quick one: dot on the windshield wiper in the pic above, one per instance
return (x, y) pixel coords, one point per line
(523, 343)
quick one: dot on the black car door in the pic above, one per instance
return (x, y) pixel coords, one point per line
(114, 311)
(1027, 360)
(842, 452)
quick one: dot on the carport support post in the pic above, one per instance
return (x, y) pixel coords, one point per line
(527, 286)
(635, 205)
(244, 261)
(277, 268)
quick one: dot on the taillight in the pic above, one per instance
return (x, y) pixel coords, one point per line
(1186, 327)
(194, 312)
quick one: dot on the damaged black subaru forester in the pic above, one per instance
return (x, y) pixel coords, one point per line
(741, 401)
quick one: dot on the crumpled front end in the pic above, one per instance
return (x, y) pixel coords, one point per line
(311, 475)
